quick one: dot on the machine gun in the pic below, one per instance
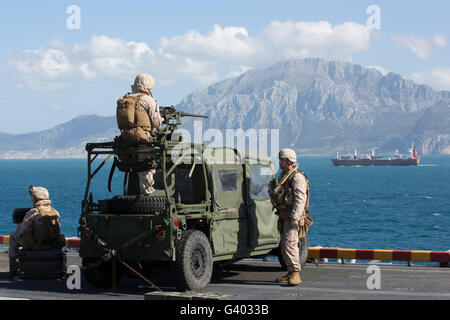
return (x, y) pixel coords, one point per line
(170, 113)
(172, 118)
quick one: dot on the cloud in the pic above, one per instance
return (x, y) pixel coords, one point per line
(320, 39)
(438, 78)
(277, 41)
(58, 65)
(229, 43)
(421, 46)
(191, 57)
(42, 70)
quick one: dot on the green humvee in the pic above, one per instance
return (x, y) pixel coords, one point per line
(210, 206)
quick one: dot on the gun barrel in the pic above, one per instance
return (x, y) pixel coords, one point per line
(171, 110)
(185, 114)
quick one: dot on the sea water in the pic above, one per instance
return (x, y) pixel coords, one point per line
(363, 207)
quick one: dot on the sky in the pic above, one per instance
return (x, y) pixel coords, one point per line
(62, 59)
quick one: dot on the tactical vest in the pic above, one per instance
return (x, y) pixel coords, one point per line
(286, 193)
(284, 200)
(46, 228)
(132, 119)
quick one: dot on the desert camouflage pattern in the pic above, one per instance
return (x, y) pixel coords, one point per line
(289, 245)
(288, 154)
(146, 181)
(143, 83)
(296, 200)
(150, 105)
(23, 237)
(40, 193)
(298, 197)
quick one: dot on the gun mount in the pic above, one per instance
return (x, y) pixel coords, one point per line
(172, 119)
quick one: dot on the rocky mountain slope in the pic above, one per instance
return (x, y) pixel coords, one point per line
(322, 107)
(319, 107)
(67, 140)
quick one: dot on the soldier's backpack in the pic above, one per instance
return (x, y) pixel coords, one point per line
(131, 119)
(47, 232)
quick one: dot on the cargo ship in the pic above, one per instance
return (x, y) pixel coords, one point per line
(372, 160)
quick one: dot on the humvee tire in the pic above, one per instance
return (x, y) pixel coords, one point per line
(194, 264)
(101, 275)
(138, 204)
(303, 252)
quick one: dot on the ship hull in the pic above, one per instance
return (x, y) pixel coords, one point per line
(370, 162)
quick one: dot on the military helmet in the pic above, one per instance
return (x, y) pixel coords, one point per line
(143, 82)
(288, 154)
(39, 193)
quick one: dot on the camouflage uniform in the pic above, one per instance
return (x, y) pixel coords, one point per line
(290, 229)
(151, 106)
(143, 84)
(289, 196)
(31, 234)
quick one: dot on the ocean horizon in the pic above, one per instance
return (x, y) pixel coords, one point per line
(388, 207)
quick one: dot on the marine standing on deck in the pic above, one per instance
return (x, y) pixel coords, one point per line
(290, 197)
(40, 228)
(137, 115)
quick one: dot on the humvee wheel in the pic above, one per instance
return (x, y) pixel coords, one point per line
(303, 253)
(101, 275)
(194, 264)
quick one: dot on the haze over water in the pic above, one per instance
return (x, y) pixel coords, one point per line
(404, 208)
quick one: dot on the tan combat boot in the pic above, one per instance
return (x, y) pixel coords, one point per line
(294, 279)
(285, 278)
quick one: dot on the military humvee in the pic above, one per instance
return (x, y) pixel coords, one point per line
(211, 206)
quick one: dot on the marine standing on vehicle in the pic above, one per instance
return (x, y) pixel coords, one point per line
(137, 115)
(290, 197)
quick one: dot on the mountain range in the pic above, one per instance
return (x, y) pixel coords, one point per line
(320, 107)
(67, 140)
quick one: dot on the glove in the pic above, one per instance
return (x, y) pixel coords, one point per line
(272, 186)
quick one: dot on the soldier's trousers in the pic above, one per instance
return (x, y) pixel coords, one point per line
(289, 245)
(146, 181)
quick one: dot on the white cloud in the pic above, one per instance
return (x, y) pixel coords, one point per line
(319, 39)
(278, 41)
(438, 78)
(185, 58)
(421, 46)
(230, 43)
(55, 67)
